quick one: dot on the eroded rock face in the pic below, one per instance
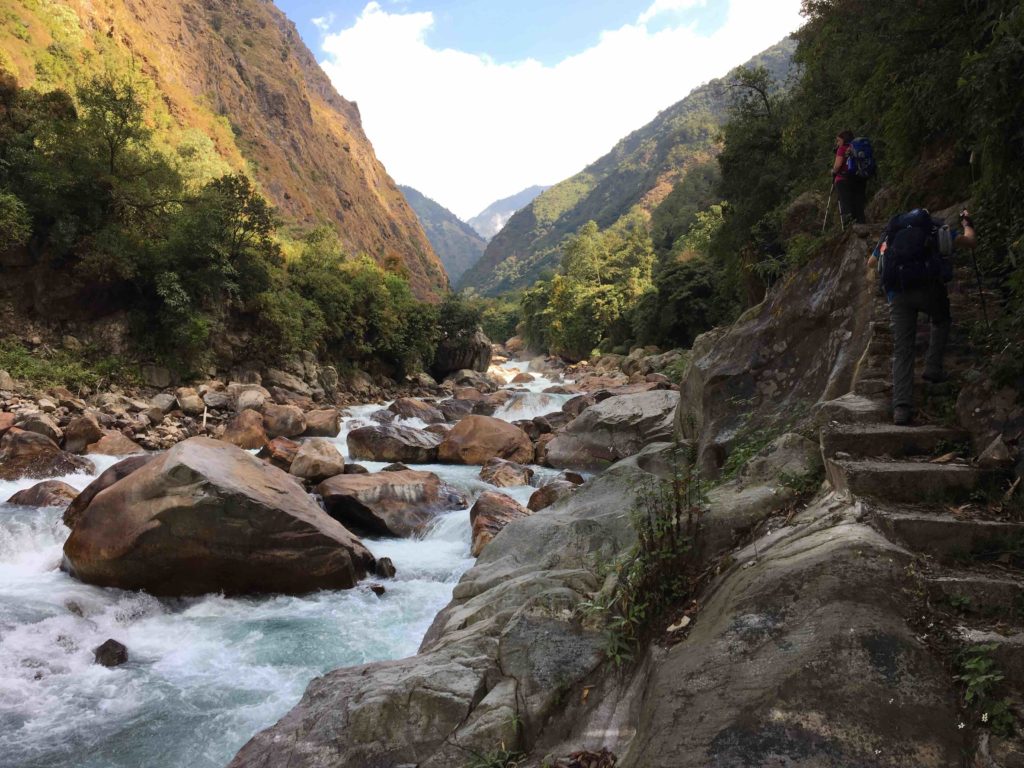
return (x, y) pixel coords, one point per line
(490, 514)
(30, 454)
(473, 353)
(804, 657)
(397, 503)
(207, 517)
(49, 493)
(613, 429)
(477, 439)
(391, 443)
(799, 347)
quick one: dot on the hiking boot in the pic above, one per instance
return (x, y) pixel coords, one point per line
(935, 377)
(902, 415)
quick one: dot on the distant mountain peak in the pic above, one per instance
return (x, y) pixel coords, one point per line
(492, 219)
(455, 242)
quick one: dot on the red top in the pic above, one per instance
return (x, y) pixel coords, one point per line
(841, 151)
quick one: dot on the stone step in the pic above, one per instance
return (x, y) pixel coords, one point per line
(851, 409)
(991, 594)
(888, 440)
(869, 387)
(951, 539)
(1008, 651)
(908, 481)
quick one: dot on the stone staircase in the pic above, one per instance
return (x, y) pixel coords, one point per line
(921, 489)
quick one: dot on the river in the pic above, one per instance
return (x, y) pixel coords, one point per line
(204, 674)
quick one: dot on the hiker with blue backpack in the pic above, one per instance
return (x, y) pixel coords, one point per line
(854, 164)
(914, 261)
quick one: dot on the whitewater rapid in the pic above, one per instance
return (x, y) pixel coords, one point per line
(204, 674)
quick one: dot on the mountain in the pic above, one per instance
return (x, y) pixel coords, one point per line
(455, 242)
(491, 219)
(234, 75)
(637, 174)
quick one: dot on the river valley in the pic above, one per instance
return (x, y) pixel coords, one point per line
(204, 674)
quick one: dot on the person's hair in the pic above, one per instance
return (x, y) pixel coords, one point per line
(846, 136)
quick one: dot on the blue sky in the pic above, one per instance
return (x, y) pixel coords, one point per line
(505, 31)
(470, 101)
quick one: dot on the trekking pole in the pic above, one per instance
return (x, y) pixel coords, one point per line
(981, 292)
(827, 206)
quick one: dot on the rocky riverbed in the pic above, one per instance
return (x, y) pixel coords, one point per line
(214, 659)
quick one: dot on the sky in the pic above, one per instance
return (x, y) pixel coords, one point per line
(470, 101)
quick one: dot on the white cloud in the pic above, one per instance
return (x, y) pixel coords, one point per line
(659, 7)
(323, 23)
(466, 130)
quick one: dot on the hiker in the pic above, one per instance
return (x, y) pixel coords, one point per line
(851, 186)
(913, 259)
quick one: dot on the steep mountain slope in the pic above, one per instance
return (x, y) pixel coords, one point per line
(638, 173)
(236, 73)
(455, 242)
(491, 219)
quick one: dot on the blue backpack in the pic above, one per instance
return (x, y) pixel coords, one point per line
(861, 160)
(916, 249)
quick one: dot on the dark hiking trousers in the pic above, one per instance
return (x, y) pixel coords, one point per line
(933, 301)
(852, 198)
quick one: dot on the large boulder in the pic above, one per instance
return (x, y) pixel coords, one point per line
(30, 454)
(548, 494)
(413, 408)
(492, 512)
(40, 423)
(246, 430)
(398, 503)
(208, 517)
(81, 432)
(325, 422)
(505, 474)
(477, 439)
(106, 479)
(391, 443)
(49, 493)
(470, 353)
(280, 452)
(113, 443)
(283, 420)
(614, 429)
(316, 460)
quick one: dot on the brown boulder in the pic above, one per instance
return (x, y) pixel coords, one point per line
(246, 430)
(189, 402)
(412, 408)
(208, 517)
(49, 493)
(325, 422)
(317, 460)
(283, 420)
(29, 454)
(391, 443)
(82, 431)
(454, 409)
(41, 424)
(505, 474)
(280, 452)
(113, 443)
(523, 378)
(548, 494)
(492, 512)
(388, 503)
(106, 479)
(541, 449)
(476, 439)
(6, 422)
(471, 394)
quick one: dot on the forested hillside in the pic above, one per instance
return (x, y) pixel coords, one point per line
(232, 86)
(636, 176)
(455, 242)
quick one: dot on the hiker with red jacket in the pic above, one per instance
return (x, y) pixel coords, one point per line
(913, 260)
(851, 185)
